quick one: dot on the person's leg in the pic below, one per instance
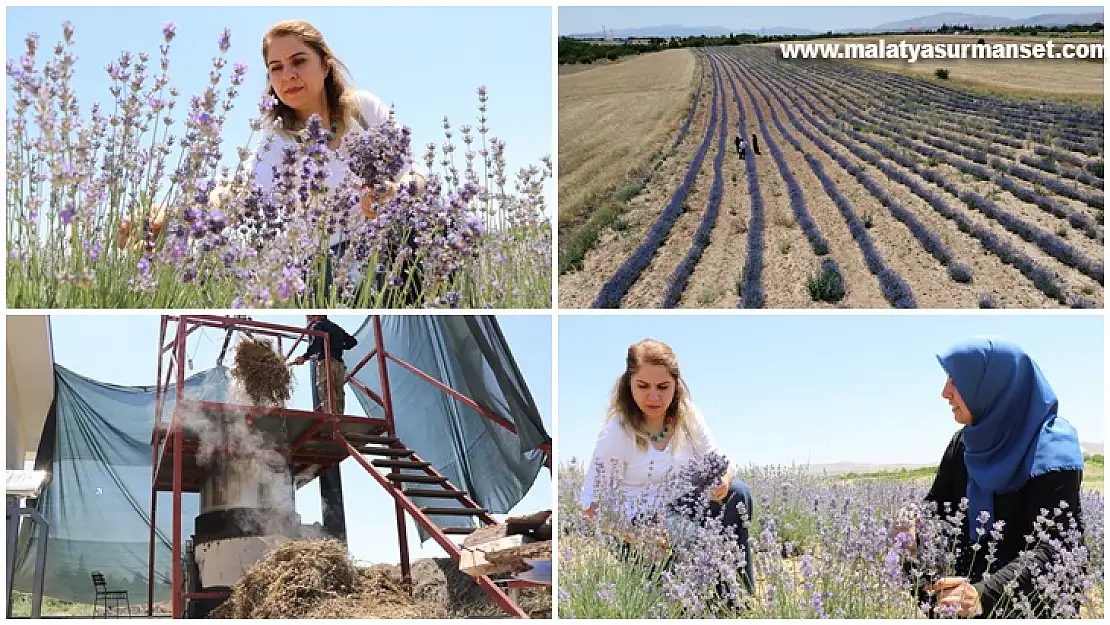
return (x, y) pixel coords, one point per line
(321, 386)
(736, 514)
(339, 377)
(413, 274)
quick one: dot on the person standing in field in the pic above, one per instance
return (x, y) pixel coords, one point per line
(339, 341)
(1014, 459)
(653, 426)
(306, 79)
(755, 144)
(741, 147)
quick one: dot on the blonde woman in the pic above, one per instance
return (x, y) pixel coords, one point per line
(306, 79)
(652, 427)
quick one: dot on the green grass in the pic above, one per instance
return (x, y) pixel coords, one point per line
(21, 606)
(1093, 474)
(580, 240)
(900, 475)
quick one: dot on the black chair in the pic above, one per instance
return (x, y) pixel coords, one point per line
(103, 596)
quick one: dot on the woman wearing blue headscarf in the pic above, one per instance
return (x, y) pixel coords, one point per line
(1013, 458)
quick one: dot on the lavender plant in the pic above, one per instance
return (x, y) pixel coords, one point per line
(138, 209)
(682, 130)
(824, 547)
(675, 560)
(750, 287)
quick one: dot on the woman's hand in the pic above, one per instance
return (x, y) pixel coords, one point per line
(721, 491)
(957, 592)
(134, 237)
(369, 197)
(906, 525)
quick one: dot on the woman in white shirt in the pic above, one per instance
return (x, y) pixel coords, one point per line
(652, 427)
(306, 79)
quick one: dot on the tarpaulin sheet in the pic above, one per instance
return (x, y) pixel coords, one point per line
(470, 355)
(97, 446)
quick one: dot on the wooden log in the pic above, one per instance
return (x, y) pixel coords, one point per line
(502, 555)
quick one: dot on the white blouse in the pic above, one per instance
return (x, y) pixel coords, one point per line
(639, 471)
(268, 154)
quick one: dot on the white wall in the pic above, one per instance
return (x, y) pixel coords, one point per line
(30, 385)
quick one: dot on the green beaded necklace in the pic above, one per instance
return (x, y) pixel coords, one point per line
(655, 438)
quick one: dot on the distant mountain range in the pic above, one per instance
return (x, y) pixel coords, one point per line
(988, 21)
(672, 30)
(929, 22)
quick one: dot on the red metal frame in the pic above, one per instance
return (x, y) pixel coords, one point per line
(170, 438)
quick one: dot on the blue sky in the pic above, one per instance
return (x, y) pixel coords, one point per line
(577, 20)
(427, 61)
(820, 388)
(120, 350)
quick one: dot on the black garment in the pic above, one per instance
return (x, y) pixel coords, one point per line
(737, 507)
(755, 144)
(338, 340)
(414, 268)
(1019, 510)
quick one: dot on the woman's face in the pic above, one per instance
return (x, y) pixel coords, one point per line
(297, 72)
(959, 408)
(653, 389)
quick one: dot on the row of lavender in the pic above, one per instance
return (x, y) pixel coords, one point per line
(828, 285)
(633, 267)
(1040, 122)
(927, 128)
(894, 288)
(1067, 254)
(680, 277)
(790, 83)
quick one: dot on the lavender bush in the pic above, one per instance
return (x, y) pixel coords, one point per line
(824, 547)
(676, 561)
(126, 206)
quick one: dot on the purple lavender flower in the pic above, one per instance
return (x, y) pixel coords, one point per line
(378, 154)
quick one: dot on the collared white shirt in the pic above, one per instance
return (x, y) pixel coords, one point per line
(268, 154)
(640, 471)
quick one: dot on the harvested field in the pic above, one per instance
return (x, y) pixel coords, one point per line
(612, 120)
(872, 189)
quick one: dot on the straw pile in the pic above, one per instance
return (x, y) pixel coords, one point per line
(317, 579)
(265, 376)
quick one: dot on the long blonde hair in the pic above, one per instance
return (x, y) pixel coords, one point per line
(623, 406)
(339, 92)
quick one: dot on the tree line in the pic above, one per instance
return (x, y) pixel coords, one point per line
(575, 51)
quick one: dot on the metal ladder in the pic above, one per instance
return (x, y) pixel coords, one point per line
(389, 458)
